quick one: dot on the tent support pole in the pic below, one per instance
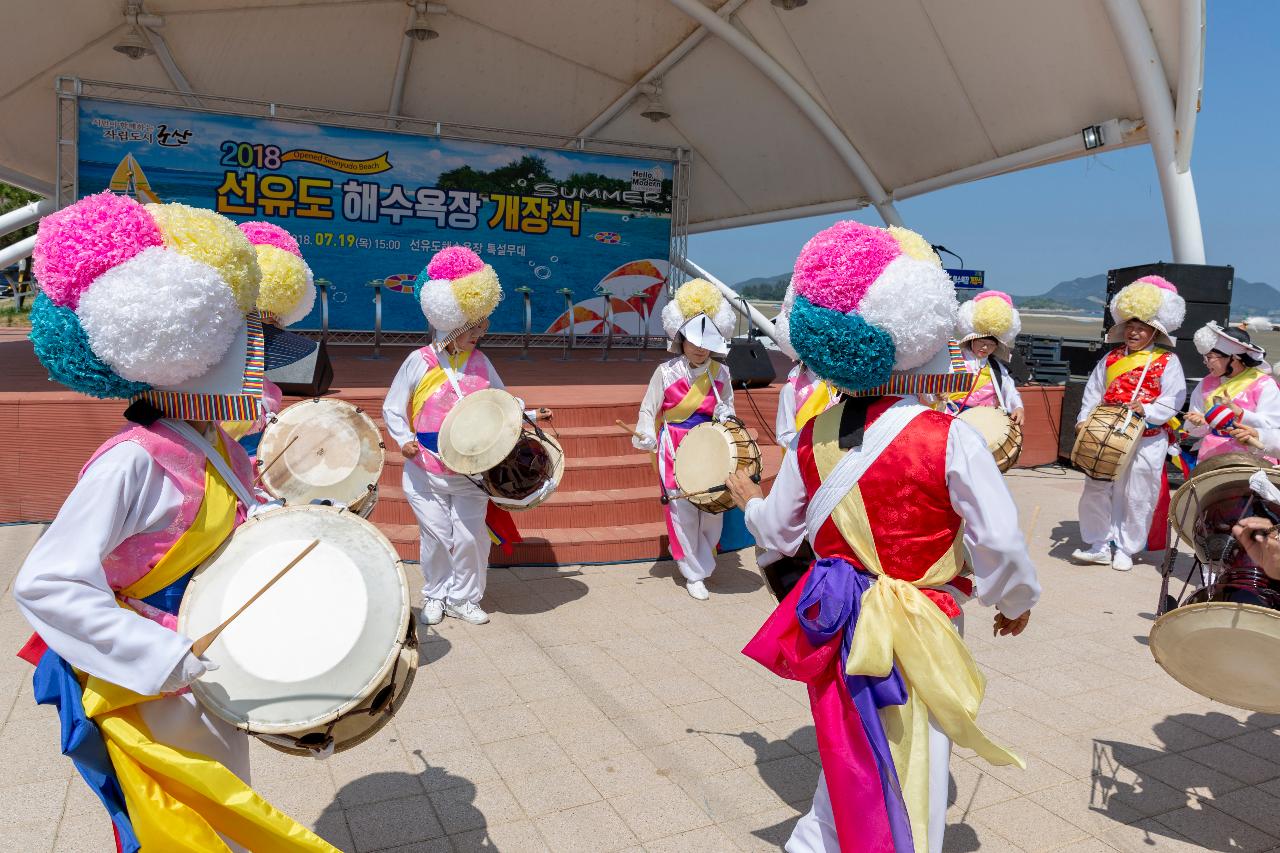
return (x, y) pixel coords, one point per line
(1178, 189)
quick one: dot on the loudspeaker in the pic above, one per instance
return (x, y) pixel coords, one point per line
(749, 364)
(299, 365)
(1072, 396)
(1018, 368)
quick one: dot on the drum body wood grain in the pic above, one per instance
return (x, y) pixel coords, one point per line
(1104, 447)
(1004, 437)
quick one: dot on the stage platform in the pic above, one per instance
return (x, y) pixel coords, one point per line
(606, 510)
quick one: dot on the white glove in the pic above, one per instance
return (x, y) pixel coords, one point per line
(188, 670)
(644, 442)
(723, 412)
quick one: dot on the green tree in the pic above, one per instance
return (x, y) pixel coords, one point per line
(12, 198)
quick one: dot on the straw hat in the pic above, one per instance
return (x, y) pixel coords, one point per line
(480, 431)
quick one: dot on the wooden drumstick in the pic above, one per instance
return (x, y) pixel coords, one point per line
(275, 459)
(200, 646)
(629, 429)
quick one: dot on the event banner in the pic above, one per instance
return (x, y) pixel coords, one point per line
(369, 206)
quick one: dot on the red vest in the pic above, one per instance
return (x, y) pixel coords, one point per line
(905, 494)
(1121, 391)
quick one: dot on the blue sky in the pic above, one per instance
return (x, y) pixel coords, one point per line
(1035, 228)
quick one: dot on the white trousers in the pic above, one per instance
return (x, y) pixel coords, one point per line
(1120, 511)
(180, 722)
(815, 832)
(699, 533)
(455, 542)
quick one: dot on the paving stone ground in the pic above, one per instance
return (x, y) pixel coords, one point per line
(603, 709)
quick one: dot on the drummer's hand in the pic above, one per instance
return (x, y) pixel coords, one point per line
(1018, 416)
(1255, 536)
(1006, 627)
(742, 489)
(1243, 434)
(1195, 418)
(544, 414)
(1237, 411)
(409, 449)
(1137, 408)
(1079, 427)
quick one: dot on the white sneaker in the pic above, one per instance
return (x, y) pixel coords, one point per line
(698, 590)
(1121, 562)
(467, 611)
(432, 611)
(1101, 556)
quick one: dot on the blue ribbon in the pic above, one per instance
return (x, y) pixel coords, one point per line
(837, 587)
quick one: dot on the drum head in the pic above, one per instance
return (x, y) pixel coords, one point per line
(314, 644)
(993, 423)
(1215, 496)
(705, 458)
(321, 450)
(480, 430)
(1225, 651)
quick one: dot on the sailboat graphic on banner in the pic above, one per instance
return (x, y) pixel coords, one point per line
(129, 179)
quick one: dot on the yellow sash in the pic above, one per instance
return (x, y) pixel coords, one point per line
(982, 380)
(434, 381)
(176, 798)
(698, 391)
(817, 403)
(1231, 388)
(899, 622)
(1133, 361)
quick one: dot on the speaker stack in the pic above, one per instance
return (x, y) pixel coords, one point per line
(1207, 291)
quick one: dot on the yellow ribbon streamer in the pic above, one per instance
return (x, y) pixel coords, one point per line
(179, 799)
(210, 528)
(817, 403)
(434, 380)
(1231, 388)
(698, 391)
(1133, 361)
(898, 621)
(980, 381)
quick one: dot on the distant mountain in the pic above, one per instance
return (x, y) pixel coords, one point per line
(1090, 294)
(1248, 298)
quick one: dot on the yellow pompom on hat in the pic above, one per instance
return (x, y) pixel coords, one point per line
(1152, 300)
(696, 298)
(990, 315)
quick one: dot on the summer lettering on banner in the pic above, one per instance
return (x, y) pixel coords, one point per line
(371, 206)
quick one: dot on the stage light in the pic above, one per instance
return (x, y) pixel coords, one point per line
(788, 5)
(134, 44)
(1093, 137)
(655, 108)
(420, 26)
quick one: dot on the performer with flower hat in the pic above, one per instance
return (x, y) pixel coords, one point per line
(890, 495)
(688, 390)
(1129, 513)
(457, 291)
(804, 396)
(1239, 389)
(286, 294)
(989, 325)
(147, 304)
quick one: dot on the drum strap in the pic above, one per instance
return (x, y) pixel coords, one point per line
(219, 464)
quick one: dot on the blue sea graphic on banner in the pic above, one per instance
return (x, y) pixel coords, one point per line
(367, 205)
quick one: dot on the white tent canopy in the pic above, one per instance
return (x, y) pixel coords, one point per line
(786, 112)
